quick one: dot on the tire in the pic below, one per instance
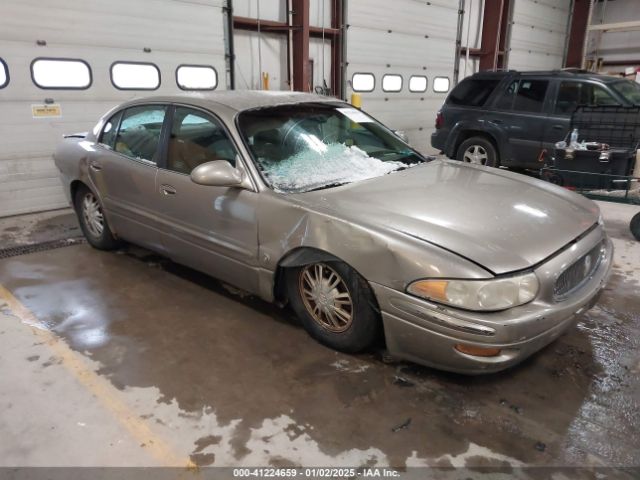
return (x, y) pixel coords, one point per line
(479, 151)
(91, 217)
(634, 226)
(356, 334)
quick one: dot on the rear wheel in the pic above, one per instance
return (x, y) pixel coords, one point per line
(479, 151)
(92, 221)
(335, 305)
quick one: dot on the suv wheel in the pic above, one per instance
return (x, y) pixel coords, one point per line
(479, 151)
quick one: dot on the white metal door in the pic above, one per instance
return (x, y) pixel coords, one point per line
(538, 34)
(167, 33)
(407, 38)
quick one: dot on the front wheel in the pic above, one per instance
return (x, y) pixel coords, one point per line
(335, 305)
(92, 220)
(479, 151)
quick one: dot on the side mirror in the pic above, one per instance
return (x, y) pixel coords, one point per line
(218, 173)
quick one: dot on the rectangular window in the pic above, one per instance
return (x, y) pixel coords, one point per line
(530, 96)
(473, 92)
(197, 138)
(363, 82)
(135, 76)
(418, 83)
(391, 83)
(139, 132)
(441, 84)
(4, 74)
(196, 77)
(572, 93)
(61, 73)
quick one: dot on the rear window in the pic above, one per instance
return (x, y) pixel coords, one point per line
(473, 92)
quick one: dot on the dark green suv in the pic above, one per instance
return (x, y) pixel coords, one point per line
(510, 118)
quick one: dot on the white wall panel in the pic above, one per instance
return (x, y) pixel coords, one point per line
(615, 46)
(271, 57)
(405, 37)
(538, 34)
(176, 31)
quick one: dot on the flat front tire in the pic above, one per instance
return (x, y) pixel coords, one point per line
(92, 220)
(335, 305)
(479, 151)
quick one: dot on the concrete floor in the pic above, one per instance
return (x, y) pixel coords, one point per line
(126, 359)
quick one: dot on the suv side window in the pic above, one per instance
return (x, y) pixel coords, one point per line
(473, 92)
(530, 95)
(197, 138)
(108, 135)
(139, 132)
(505, 101)
(573, 93)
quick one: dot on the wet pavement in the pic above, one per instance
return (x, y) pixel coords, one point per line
(225, 379)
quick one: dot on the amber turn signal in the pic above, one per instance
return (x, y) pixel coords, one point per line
(477, 351)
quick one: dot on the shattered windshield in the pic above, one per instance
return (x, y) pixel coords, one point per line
(310, 146)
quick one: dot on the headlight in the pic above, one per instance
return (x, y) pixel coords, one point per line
(487, 295)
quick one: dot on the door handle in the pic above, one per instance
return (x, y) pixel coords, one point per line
(495, 121)
(558, 127)
(168, 190)
(95, 166)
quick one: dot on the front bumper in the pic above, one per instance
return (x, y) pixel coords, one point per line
(426, 333)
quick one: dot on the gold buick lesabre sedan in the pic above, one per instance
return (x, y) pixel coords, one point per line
(305, 200)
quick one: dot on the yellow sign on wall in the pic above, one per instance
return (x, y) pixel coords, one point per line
(42, 110)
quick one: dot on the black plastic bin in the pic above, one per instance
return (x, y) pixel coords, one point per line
(579, 168)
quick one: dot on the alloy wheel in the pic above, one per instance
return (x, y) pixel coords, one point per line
(92, 214)
(476, 154)
(326, 297)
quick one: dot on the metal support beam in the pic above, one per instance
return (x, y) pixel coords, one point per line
(495, 22)
(336, 48)
(577, 33)
(300, 25)
(270, 26)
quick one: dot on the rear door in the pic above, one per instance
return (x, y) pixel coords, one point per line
(211, 229)
(520, 112)
(124, 169)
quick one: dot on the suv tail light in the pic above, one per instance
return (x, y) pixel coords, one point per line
(439, 120)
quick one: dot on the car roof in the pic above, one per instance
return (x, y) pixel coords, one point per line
(569, 73)
(237, 99)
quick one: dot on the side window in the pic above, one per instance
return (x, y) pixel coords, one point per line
(473, 92)
(568, 98)
(139, 132)
(108, 134)
(530, 95)
(197, 138)
(601, 97)
(505, 101)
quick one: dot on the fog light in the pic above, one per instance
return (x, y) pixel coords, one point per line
(477, 351)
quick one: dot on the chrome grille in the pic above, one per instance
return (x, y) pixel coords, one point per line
(578, 273)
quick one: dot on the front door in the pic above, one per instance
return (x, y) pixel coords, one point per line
(211, 229)
(124, 168)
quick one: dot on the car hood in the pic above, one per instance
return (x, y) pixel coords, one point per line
(500, 220)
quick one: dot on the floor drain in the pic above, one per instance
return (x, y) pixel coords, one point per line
(40, 247)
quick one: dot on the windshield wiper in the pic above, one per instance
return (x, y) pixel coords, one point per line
(330, 185)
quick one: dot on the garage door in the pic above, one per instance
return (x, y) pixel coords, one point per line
(401, 58)
(77, 43)
(538, 34)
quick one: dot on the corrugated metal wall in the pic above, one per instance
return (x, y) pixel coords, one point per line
(405, 37)
(99, 32)
(538, 34)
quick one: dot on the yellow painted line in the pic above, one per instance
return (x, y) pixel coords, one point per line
(104, 391)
